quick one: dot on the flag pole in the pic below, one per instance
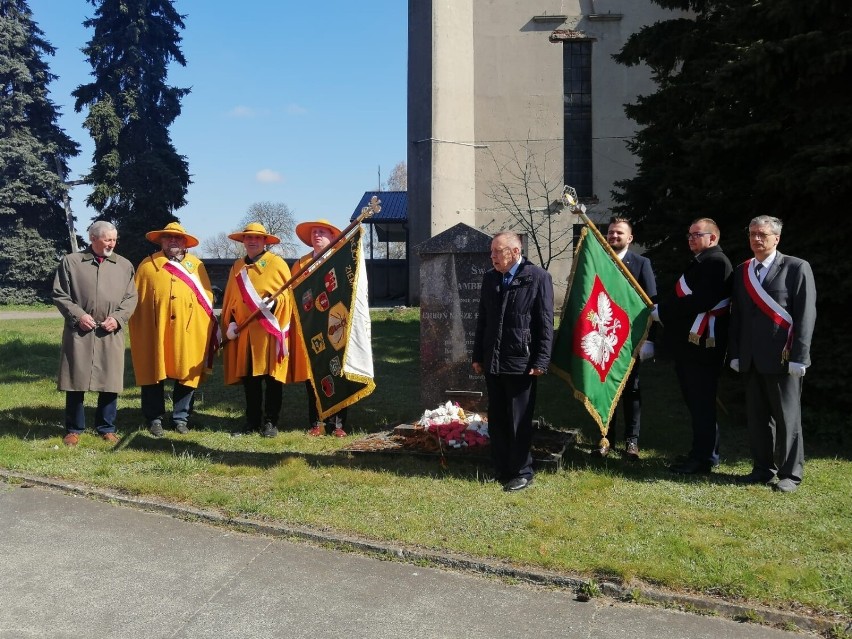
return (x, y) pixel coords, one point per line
(371, 209)
(569, 198)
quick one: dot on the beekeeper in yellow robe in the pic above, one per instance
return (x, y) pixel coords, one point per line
(258, 353)
(173, 331)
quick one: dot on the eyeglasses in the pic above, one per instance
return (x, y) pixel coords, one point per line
(760, 236)
(695, 236)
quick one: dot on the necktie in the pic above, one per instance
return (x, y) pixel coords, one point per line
(758, 268)
(506, 279)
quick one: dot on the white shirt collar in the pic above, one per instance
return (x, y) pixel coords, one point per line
(769, 260)
(514, 268)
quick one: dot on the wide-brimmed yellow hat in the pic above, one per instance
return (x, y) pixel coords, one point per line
(303, 230)
(172, 228)
(255, 228)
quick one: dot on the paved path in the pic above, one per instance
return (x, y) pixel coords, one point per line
(73, 567)
(20, 315)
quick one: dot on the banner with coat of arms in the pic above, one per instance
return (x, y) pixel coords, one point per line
(604, 321)
(334, 320)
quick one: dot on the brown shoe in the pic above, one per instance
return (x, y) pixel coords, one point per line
(112, 438)
(603, 451)
(71, 439)
(632, 451)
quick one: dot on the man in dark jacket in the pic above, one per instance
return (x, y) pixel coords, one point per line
(514, 336)
(620, 236)
(772, 323)
(696, 324)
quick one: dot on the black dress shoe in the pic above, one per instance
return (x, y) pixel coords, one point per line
(603, 451)
(518, 483)
(754, 478)
(692, 467)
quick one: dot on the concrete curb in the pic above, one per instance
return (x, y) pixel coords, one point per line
(743, 612)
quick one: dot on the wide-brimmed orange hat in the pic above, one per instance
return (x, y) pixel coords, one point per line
(172, 228)
(255, 228)
(303, 230)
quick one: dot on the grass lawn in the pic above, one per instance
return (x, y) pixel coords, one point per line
(597, 518)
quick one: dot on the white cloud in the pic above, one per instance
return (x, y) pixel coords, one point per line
(268, 176)
(296, 109)
(242, 112)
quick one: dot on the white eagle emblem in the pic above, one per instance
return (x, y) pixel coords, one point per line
(599, 343)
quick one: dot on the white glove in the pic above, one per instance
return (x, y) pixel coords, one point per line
(735, 365)
(231, 333)
(655, 314)
(796, 370)
(646, 351)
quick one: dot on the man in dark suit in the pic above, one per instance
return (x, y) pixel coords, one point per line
(773, 316)
(514, 337)
(695, 320)
(619, 236)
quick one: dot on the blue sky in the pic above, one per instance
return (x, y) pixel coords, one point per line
(292, 102)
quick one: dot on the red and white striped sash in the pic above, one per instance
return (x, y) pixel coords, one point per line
(768, 306)
(214, 341)
(704, 322)
(267, 320)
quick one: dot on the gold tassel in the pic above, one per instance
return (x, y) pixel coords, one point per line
(694, 338)
(710, 343)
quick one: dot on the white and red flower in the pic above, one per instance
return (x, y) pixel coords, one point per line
(454, 427)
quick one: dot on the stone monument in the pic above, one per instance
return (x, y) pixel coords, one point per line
(451, 268)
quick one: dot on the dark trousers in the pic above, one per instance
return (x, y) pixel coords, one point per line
(631, 406)
(338, 418)
(774, 413)
(75, 414)
(154, 401)
(698, 384)
(511, 402)
(262, 408)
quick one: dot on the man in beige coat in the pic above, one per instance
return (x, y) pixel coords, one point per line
(95, 292)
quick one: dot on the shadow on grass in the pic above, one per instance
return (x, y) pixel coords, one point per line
(27, 361)
(398, 464)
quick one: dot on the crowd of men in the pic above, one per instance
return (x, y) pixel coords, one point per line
(759, 318)
(167, 305)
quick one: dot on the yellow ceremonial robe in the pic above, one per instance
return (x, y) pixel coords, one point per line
(299, 365)
(254, 351)
(169, 330)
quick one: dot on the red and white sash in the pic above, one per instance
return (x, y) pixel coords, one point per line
(768, 306)
(214, 341)
(267, 320)
(706, 321)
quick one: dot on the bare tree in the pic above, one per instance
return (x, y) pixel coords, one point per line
(529, 188)
(220, 247)
(398, 179)
(278, 220)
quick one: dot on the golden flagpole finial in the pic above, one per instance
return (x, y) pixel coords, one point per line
(372, 208)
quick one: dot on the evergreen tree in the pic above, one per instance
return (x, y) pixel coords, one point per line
(33, 155)
(751, 116)
(138, 177)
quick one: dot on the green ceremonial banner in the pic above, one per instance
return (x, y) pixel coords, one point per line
(334, 317)
(604, 320)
